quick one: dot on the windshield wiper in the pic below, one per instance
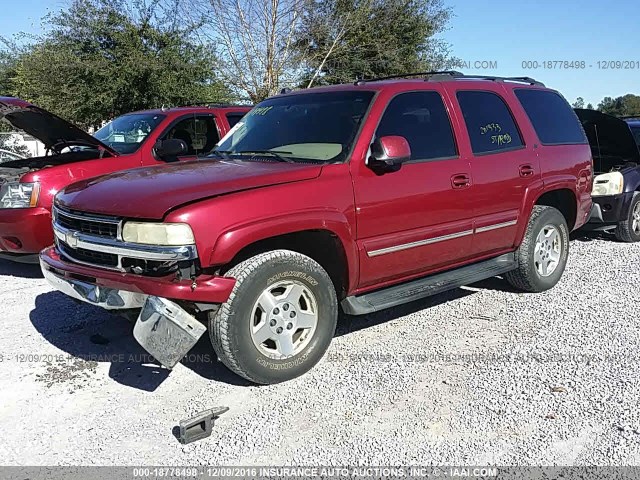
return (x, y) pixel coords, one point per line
(274, 153)
(224, 154)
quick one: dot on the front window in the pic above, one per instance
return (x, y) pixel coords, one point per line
(125, 134)
(318, 127)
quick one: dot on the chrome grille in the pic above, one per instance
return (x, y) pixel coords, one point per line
(93, 225)
(89, 257)
(96, 240)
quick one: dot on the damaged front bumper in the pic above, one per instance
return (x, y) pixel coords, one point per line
(164, 328)
(105, 297)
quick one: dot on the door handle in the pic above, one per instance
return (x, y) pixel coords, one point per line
(526, 170)
(461, 180)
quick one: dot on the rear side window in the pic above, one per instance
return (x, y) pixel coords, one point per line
(422, 119)
(552, 118)
(489, 122)
(234, 118)
(636, 134)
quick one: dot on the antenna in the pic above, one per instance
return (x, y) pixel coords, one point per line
(595, 129)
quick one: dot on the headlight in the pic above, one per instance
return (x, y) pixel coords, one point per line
(19, 195)
(170, 234)
(608, 184)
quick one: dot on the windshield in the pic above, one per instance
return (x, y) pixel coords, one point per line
(636, 134)
(304, 127)
(125, 134)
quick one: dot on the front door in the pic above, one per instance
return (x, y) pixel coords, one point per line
(419, 218)
(199, 132)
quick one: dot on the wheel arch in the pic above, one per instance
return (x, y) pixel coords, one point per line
(564, 200)
(328, 243)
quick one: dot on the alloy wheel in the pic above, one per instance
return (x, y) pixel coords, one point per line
(548, 249)
(284, 319)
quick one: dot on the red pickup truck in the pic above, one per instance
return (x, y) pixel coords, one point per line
(360, 196)
(27, 186)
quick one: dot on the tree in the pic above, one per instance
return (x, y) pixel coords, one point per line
(342, 40)
(590, 106)
(626, 105)
(102, 58)
(253, 41)
(579, 103)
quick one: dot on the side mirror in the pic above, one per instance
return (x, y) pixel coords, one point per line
(389, 153)
(170, 149)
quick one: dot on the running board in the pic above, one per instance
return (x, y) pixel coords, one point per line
(427, 286)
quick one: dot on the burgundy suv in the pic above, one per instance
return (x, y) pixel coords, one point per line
(361, 196)
(137, 139)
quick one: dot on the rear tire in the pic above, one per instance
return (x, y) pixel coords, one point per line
(542, 256)
(628, 230)
(279, 320)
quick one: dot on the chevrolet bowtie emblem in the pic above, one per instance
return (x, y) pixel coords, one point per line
(71, 239)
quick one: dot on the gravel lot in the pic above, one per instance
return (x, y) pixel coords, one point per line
(480, 375)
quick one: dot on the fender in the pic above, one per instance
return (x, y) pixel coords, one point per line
(539, 188)
(632, 180)
(232, 241)
(533, 192)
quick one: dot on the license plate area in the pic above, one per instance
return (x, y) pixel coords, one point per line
(166, 330)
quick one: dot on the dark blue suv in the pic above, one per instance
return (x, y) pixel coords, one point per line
(616, 165)
(634, 124)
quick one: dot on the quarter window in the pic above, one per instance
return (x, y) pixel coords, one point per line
(552, 118)
(490, 124)
(234, 118)
(422, 119)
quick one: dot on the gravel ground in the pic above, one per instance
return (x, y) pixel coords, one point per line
(480, 375)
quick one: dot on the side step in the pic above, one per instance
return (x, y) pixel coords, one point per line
(427, 286)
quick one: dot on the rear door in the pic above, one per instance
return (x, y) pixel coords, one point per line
(419, 218)
(503, 165)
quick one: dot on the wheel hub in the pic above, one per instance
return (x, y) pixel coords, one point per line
(283, 318)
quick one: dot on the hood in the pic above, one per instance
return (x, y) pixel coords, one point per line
(611, 140)
(46, 127)
(151, 192)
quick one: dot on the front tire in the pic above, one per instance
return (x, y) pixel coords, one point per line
(542, 256)
(279, 319)
(628, 230)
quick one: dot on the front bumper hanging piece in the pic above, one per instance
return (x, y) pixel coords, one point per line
(200, 425)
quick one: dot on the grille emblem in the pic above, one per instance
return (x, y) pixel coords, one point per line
(71, 239)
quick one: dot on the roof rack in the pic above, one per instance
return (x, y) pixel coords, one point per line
(212, 105)
(529, 80)
(454, 75)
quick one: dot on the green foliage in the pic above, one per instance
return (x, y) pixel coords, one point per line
(102, 58)
(626, 105)
(348, 39)
(579, 103)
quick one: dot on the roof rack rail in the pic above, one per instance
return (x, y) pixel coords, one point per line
(212, 105)
(453, 75)
(529, 80)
